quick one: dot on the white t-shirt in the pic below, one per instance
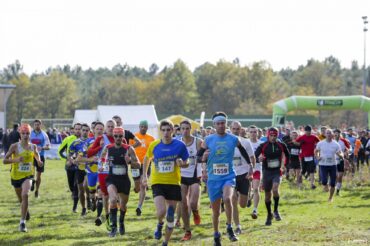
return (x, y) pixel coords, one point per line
(240, 164)
(328, 152)
(255, 145)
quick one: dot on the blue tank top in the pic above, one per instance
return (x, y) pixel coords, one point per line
(220, 159)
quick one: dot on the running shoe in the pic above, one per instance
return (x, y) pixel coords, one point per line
(164, 244)
(83, 213)
(121, 228)
(217, 240)
(113, 232)
(187, 236)
(158, 231)
(277, 216)
(313, 187)
(36, 194)
(196, 218)
(22, 227)
(98, 221)
(238, 231)
(254, 215)
(269, 220)
(337, 192)
(138, 211)
(231, 234)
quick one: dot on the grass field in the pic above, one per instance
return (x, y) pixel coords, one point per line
(308, 219)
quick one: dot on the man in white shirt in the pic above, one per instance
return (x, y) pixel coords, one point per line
(326, 152)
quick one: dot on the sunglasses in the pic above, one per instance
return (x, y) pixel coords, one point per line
(252, 132)
(118, 136)
(166, 130)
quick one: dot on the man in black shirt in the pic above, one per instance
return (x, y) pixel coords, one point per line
(272, 153)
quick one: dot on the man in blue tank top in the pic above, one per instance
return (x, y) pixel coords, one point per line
(218, 151)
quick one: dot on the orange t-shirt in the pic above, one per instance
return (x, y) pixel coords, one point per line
(145, 141)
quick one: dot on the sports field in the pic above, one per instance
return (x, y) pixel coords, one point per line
(308, 219)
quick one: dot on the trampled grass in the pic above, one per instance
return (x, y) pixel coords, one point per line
(308, 219)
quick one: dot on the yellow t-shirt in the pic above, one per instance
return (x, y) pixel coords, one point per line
(26, 168)
(145, 141)
(164, 169)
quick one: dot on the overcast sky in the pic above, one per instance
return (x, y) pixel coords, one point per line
(92, 33)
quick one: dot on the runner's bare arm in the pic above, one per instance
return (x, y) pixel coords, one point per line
(37, 156)
(133, 158)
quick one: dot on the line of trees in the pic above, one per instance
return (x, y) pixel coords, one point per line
(226, 86)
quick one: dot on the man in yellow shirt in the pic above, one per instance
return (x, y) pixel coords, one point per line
(21, 155)
(145, 140)
(168, 156)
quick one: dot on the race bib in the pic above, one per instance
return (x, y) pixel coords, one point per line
(294, 151)
(135, 173)
(237, 161)
(220, 169)
(273, 163)
(328, 161)
(166, 166)
(191, 161)
(258, 167)
(24, 167)
(118, 170)
(309, 158)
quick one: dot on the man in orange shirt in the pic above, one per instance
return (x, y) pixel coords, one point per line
(145, 140)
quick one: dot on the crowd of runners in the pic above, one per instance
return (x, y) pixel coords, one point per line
(232, 162)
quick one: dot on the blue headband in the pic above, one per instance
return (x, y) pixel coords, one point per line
(219, 118)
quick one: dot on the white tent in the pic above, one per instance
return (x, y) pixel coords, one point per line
(85, 116)
(131, 116)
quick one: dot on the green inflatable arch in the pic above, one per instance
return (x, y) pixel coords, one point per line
(282, 107)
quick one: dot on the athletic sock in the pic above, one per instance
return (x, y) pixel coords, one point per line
(276, 203)
(255, 209)
(268, 207)
(122, 216)
(99, 206)
(139, 205)
(113, 217)
(339, 185)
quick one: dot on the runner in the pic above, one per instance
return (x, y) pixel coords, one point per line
(190, 180)
(20, 155)
(341, 162)
(145, 140)
(220, 173)
(257, 174)
(79, 147)
(41, 139)
(307, 143)
(71, 169)
(272, 153)
(294, 161)
(244, 173)
(117, 156)
(326, 152)
(128, 134)
(95, 150)
(168, 156)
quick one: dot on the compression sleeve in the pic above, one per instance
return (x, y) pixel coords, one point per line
(200, 154)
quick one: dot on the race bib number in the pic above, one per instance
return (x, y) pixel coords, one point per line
(118, 170)
(273, 163)
(191, 161)
(166, 166)
(220, 169)
(309, 158)
(328, 161)
(294, 151)
(135, 173)
(237, 161)
(24, 167)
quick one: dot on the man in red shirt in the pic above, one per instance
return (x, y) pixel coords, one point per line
(308, 142)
